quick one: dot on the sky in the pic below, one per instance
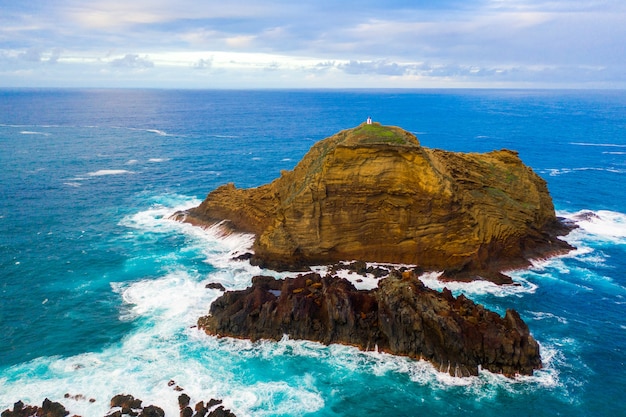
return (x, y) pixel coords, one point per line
(313, 44)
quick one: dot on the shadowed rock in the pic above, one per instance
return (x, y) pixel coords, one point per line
(401, 317)
(124, 405)
(48, 409)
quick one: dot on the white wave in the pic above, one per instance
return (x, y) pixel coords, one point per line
(281, 398)
(141, 364)
(156, 160)
(540, 315)
(348, 358)
(360, 282)
(584, 274)
(614, 153)
(72, 184)
(432, 280)
(155, 218)
(218, 246)
(132, 162)
(157, 131)
(604, 145)
(166, 298)
(479, 287)
(30, 132)
(597, 225)
(553, 172)
(103, 172)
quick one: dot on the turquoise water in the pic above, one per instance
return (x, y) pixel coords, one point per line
(99, 291)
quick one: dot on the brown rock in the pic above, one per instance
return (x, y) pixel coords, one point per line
(401, 317)
(183, 401)
(152, 411)
(215, 286)
(372, 193)
(125, 401)
(48, 409)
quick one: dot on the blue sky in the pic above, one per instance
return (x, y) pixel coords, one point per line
(313, 44)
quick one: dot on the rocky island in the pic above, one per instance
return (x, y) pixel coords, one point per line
(401, 316)
(373, 193)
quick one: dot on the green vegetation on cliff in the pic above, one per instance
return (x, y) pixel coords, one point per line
(375, 133)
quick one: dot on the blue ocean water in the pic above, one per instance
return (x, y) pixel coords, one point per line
(99, 291)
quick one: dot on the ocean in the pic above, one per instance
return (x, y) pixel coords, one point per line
(100, 291)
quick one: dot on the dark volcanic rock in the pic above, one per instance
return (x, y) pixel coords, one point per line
(48, 409)
(215, 286)
(125, 405)
(401, 317)
(125, 401)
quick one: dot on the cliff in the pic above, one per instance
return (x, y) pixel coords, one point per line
(372, 193)
(401, 317)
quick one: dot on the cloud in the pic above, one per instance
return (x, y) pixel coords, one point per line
(240, 41)
(55, 56)
(336, 42)
(31, 55)
(373, 67)
(203, 63)
(132, 61)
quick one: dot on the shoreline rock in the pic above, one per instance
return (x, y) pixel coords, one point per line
(122, 405)
(401, 317)
(373, 193)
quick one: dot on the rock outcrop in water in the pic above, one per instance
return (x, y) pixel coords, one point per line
(123, 405)
(401, 317)
(372, 193)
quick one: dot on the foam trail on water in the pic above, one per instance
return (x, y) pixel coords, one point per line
(30, 132)
(480, 287)
(103, 172)
(604, 145)
(553, 172)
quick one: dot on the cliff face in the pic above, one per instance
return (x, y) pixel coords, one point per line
(373, 193)
(401, 316)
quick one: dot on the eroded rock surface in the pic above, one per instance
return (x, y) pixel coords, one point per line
(401, 317)
(372, 193)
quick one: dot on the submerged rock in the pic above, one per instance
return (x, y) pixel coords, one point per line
(372, 193)
(401, 317)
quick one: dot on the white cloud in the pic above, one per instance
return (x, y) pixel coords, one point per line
(203, 63)
(240, 41)
(405, 43)
(132, 61)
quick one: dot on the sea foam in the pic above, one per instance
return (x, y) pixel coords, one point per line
(600, 224)
(165, 345)
(480, 287)
(103, 172)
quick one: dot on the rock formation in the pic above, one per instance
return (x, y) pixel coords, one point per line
(48, 409)
(123, 405)
(372, 193)
(401, 317)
